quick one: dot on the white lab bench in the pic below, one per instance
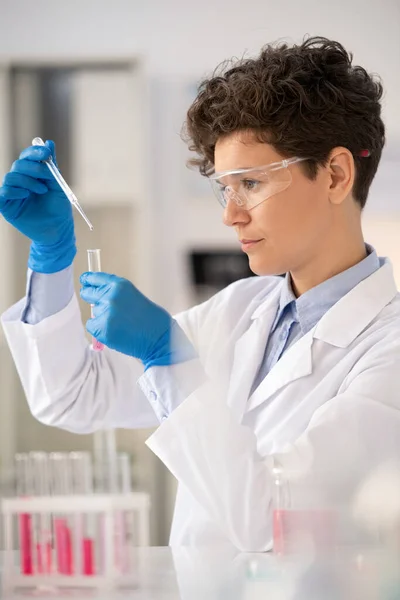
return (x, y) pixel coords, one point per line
(216, 574)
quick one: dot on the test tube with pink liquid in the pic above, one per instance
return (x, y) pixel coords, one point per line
(94, 265)
(84, 526)
(43, 534)
(24, 489)
(62, 486)
(299, 520)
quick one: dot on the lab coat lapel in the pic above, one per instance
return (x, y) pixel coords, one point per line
(295, 363)
(354, 312)
(248, 354)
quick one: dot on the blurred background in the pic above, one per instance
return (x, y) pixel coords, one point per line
(110, 82)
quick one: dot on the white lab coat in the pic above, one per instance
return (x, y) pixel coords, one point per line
(330, 407)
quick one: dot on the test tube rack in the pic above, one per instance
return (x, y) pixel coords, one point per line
(121, 522)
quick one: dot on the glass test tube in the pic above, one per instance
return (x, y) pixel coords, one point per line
(24, 488)
(94, 265)
(106, 473)
(125, 522)
(281, 505)
(81, 472)
(106, 461)
(60, 472)
(24, 476)
(61, 477)
(124, 471)
(82, 479)
(42, 525)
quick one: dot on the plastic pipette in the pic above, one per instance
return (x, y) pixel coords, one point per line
(37, 141)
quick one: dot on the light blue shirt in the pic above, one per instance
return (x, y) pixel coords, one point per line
(48, 294)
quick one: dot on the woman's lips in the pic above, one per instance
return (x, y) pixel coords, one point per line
(247, 244)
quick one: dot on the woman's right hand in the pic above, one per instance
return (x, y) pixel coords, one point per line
(33, 202)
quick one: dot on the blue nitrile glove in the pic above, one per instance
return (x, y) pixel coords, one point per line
(125, 320)
(32, 201)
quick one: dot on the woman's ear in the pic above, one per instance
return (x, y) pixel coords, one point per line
(342, 171)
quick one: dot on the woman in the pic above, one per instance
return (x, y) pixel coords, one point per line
(298, 371)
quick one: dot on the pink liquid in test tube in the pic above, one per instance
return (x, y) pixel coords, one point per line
(43, 553)
(94, 265)
(88, 558)
(63, 547)
(26, 528)
(25, 535)
(290, 526)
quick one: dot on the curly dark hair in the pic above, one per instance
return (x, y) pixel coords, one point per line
(303, 99)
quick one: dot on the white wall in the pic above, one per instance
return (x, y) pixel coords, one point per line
(181, 38)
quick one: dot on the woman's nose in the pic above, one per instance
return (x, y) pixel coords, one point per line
(234, 214)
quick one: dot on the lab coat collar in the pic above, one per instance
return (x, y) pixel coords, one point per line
(339, 327)
(265, 303)
(355, 311)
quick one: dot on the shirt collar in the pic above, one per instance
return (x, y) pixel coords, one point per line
(313, 304)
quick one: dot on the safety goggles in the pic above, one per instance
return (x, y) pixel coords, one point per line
(249, 187)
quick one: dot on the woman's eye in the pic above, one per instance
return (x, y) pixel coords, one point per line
(250, 184)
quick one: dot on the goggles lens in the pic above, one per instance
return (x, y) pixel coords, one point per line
(249, 187)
